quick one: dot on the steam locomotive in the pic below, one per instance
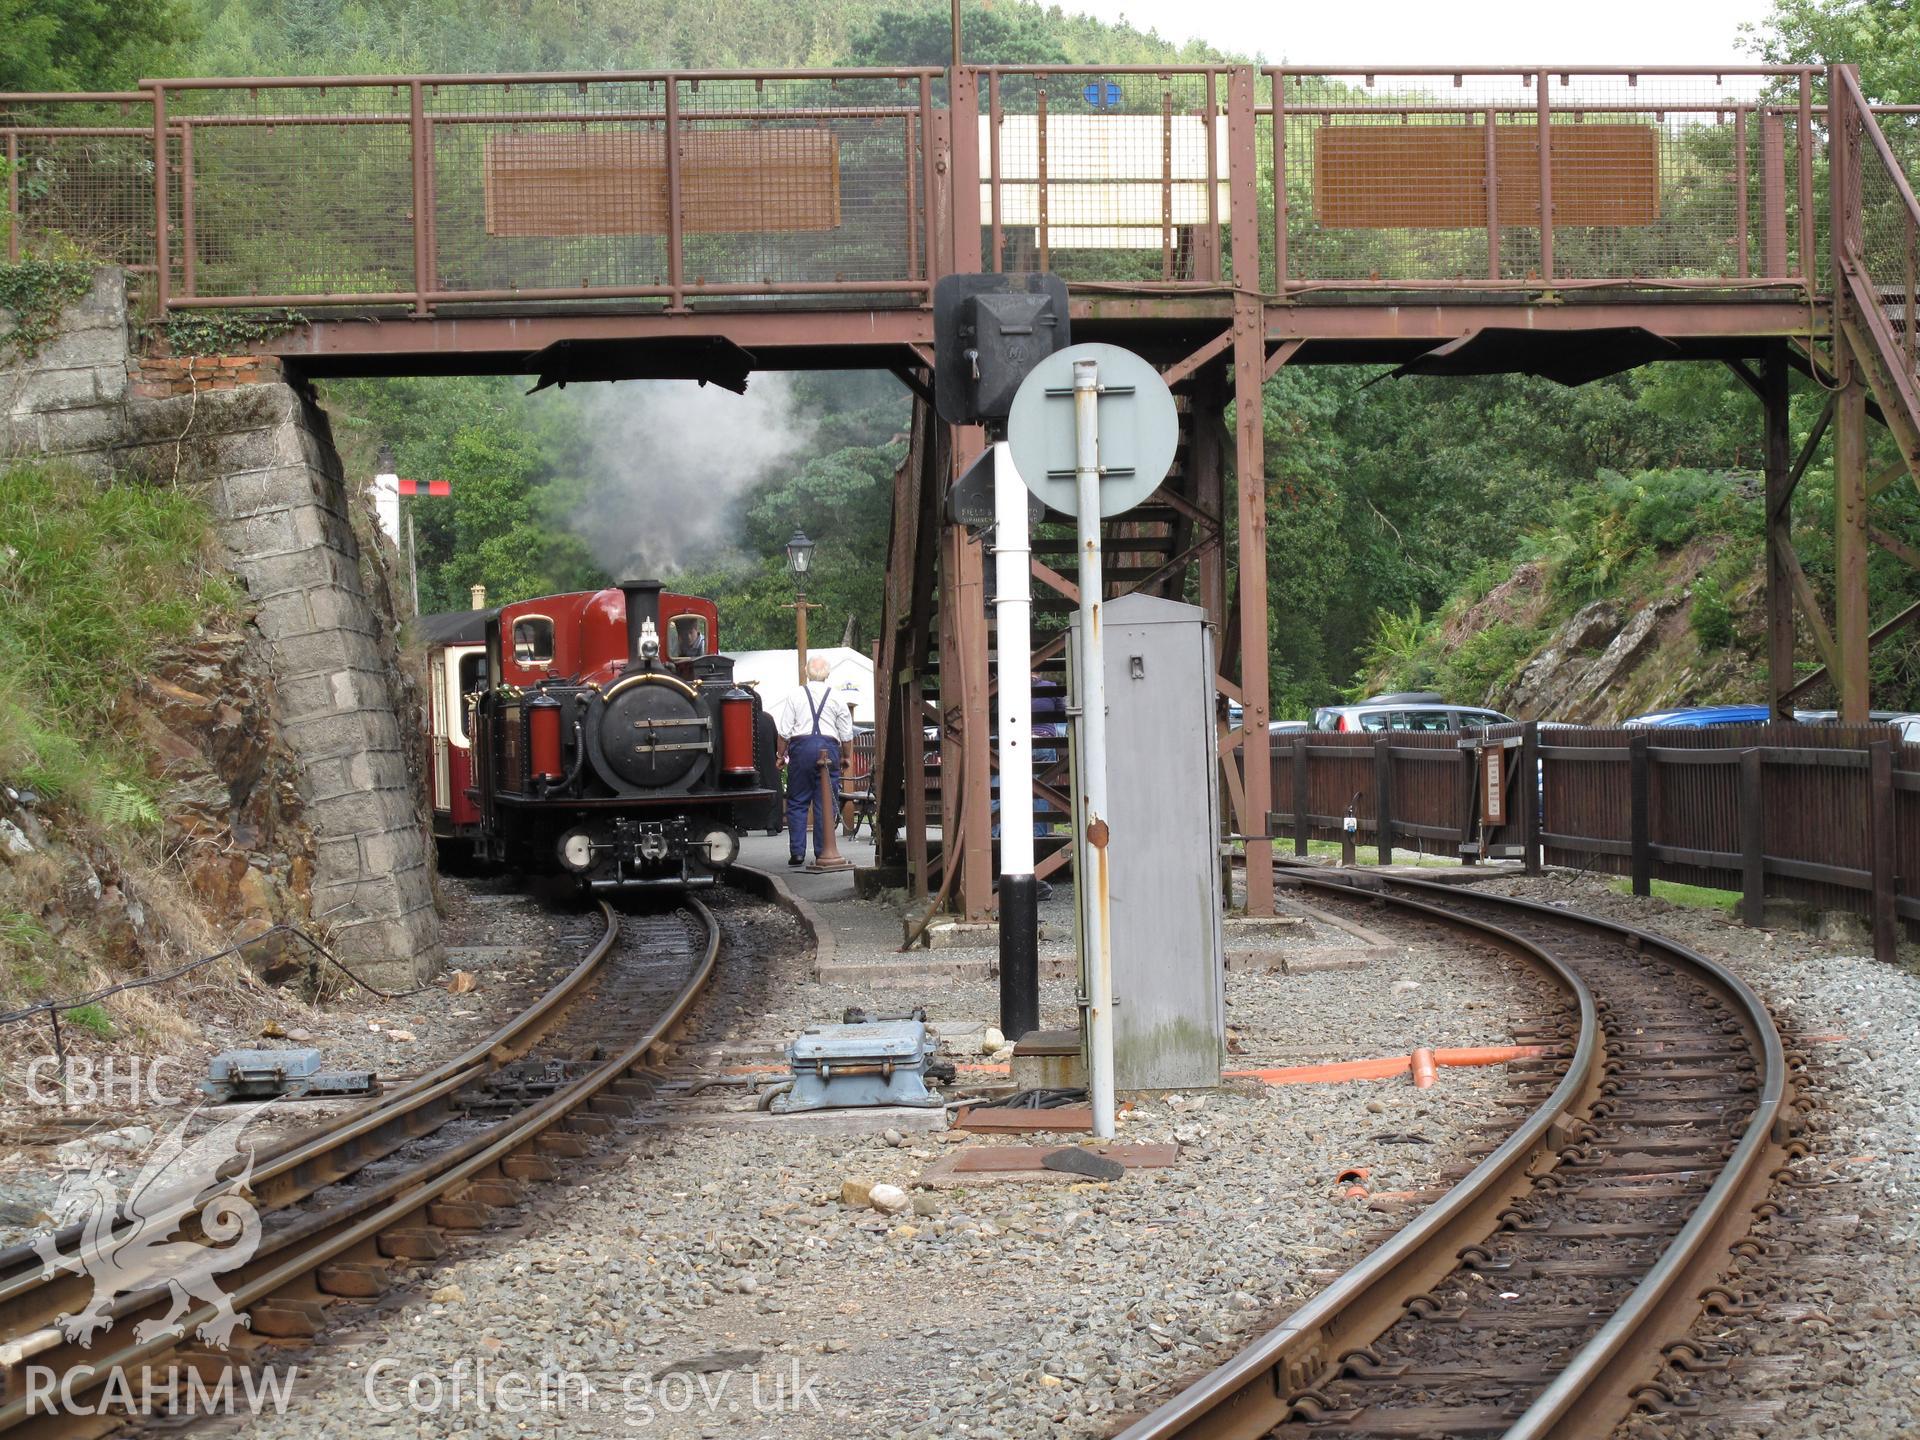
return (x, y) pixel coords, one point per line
(598, 734)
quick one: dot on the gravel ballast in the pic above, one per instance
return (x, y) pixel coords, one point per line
(698, 1263)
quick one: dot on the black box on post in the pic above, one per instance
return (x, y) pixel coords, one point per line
(989, 331)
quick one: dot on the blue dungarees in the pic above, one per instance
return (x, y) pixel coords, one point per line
(803, 781)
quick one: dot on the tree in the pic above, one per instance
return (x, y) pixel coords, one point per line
(1882, 37)
(85, 44)
(922, 35)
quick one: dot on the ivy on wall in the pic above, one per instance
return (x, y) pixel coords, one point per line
(33, 293)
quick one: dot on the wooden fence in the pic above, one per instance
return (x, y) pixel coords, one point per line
(1826, 815)
(1406, 790)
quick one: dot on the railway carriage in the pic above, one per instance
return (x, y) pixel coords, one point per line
(601, 735)
(456, 672)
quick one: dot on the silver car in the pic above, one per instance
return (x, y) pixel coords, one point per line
(1413, 710)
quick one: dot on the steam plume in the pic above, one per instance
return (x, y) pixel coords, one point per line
(670, 461)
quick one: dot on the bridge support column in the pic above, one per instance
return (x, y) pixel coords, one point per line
(966, 793)
(1850, 535)
(1250, 474)
(1780, 478)
(1850, 621)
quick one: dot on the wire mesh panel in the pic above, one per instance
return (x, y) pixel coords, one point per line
(763, 182)
(297, 191)
(832, 191)
(548, 187)
(86, 192)
(1889, 237)
(1105, 176)
(439, 190)
(1440, 178)
(78, 179)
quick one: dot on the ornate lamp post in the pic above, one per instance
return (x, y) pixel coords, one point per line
(799, 564)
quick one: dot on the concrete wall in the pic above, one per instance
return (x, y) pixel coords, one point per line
(262, 457)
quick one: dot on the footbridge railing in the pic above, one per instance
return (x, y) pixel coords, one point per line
(857, 188)
(1877, 257)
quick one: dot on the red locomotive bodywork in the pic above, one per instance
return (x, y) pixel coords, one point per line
(619, 752)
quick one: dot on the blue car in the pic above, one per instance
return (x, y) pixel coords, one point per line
(1702, 716)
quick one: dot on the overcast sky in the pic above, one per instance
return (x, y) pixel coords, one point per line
(1418, 32)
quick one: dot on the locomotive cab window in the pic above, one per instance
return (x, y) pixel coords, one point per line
(687, 637)
(533, 640)
(473, 680)
(473, 673)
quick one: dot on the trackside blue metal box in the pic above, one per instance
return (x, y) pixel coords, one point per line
(265, 1074)
(882, 1062)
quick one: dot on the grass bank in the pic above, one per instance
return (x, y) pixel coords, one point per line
(95, 577)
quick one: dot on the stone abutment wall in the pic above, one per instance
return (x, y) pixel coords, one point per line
(260, 453)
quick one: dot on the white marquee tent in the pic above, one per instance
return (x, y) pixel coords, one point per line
(776, 673)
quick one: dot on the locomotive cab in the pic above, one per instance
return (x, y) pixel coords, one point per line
(614, 744)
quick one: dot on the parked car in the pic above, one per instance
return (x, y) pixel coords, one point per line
(1413, 710)
(1701, 717)
(1274, 727)
(1832, 717)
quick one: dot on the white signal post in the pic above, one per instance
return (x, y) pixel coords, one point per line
(1013, 719)
(1080, 477)
(1090, 839)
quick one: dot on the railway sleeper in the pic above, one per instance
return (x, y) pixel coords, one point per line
(500, 1192)
(1635, 1195)
(353, 1280)
(412, 1242)
(1661, 1051)
(1416, 1424)
(1359, 1367)
(1627, 1268)
(459, 1215)
(287, 1318)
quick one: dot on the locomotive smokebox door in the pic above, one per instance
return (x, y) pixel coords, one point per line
(989, 331)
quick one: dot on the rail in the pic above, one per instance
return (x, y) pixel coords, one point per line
(740, 189)
(1288, 1373)
(291, 1253)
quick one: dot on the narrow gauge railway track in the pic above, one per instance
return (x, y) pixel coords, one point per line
(1543, 1293)
(340, 1204)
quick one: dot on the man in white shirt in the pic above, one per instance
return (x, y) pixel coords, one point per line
(811, 720)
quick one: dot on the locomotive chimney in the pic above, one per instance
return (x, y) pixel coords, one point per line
(643, 604)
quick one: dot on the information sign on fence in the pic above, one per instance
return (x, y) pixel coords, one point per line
(1493, 790)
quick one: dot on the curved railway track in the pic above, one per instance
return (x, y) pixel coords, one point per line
(385, 1183)
(1543, 1293)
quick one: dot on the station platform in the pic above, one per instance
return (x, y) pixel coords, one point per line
(861, 940)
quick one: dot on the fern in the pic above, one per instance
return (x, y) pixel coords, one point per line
(120, 804)
(1395, 653)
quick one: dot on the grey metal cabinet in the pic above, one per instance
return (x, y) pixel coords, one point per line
(1163, 848)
